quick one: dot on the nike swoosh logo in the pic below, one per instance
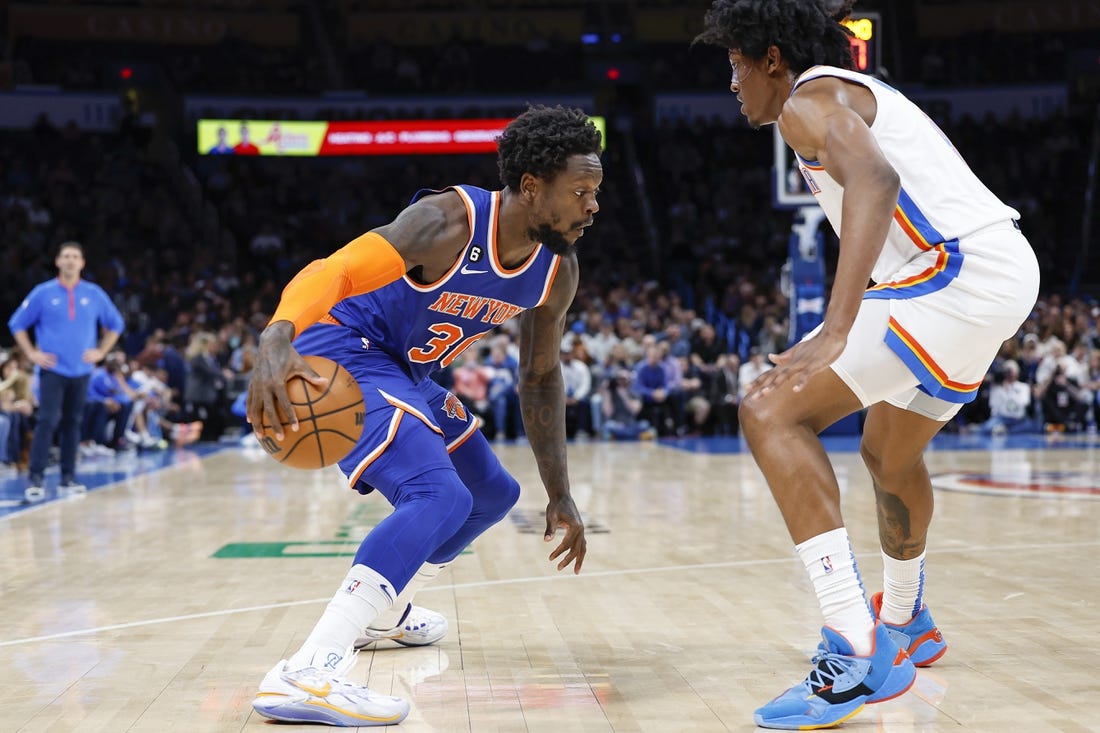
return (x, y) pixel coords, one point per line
(315, 691)
(467, 271)
(385, 589)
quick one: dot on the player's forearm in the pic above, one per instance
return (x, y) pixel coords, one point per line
(23, 341)
(108, 341)
(868, 211)
(542, 402)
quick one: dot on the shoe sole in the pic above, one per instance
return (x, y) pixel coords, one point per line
(793, 725)
(363, 642)
(270, 706)
(928, 662)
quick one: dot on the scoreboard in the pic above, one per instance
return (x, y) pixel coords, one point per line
(865, 28)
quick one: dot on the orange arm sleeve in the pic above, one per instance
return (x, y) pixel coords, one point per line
(364, 264)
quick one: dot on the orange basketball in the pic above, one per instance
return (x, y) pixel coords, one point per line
(330, 420)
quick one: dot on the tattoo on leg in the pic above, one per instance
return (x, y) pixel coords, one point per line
(894, 526)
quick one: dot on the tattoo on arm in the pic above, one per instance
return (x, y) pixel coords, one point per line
(542, 398)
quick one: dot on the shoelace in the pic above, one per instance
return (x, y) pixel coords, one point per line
(827, 667)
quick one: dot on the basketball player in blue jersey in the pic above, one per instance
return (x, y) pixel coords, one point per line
(953, 278)
(393, 306)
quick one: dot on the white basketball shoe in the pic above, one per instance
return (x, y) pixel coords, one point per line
(313, 695)
(418, 627)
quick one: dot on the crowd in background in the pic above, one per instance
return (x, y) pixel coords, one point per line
(677, 309)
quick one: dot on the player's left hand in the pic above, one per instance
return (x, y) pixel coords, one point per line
(798, 363)
(562, 513)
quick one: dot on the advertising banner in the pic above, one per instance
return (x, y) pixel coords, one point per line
(391, 137)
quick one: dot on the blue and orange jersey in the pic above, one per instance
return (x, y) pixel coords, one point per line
(425, 326)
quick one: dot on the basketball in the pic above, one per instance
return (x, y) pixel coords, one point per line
(330, 420)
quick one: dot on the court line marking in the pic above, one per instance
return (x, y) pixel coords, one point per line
(22, 509)
(518, 581)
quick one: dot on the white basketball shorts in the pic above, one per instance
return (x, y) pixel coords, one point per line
(923, 340)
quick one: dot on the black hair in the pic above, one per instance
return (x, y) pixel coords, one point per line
(541, 140)
(807, 32)
(70, 245)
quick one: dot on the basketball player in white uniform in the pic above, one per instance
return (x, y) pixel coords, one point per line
(952, 278)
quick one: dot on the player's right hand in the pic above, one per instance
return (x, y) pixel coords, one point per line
(277, 361)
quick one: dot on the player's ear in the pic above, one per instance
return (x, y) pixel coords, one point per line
(529, 186)
(773, 59)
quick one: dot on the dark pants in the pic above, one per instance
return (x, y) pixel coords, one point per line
(60, 407)
(96, 417)
(20, 423)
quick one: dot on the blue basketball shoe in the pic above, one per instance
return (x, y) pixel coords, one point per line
(840, 684)
(919, 636)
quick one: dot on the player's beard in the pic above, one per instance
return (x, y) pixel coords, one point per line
(553, 240)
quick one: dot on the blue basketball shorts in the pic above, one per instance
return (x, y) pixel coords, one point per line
(409, 428)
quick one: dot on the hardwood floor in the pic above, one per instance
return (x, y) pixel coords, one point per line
(157, 601)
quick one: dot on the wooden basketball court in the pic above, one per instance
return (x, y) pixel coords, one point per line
(157, 601)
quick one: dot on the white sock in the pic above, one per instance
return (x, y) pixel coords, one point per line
(388, 619)
(832, 567)
(902, 589)
(362, 596)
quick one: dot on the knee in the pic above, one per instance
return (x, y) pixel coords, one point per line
(888, 468)
(872, 457)
(758, 415)
(495, 495)
(443, 494)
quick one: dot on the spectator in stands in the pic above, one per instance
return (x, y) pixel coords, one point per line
(109, 404)
(1091, 388)
(1063, 407)
(706, 344)
(622, 409)
(16, 408)
(471, 385)
(206, 384)
(725, 394)
(503, 397)
(152, 399)
(651, 385)
(600, 342)
(698, 416)
(1009, 404)
(749, 371)
(578, 388)
(674, 387)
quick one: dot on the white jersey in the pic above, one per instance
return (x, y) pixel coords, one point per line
(941, 200)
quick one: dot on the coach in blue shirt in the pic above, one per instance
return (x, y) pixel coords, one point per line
(68, 315)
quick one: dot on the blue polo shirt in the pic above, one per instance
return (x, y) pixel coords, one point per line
(103, 386)
(66, 322)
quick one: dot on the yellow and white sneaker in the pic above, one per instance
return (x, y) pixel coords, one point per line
(418, 627)
(312, 695)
